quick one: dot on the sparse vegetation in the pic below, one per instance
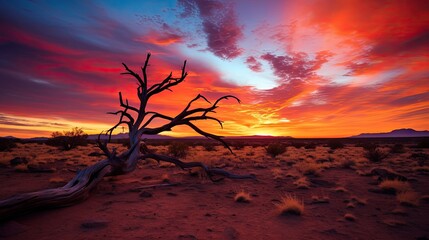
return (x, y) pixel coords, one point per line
(394, 186)
(6, 144)
(320, 198)
(209, 147)
(68, 139)
(335, 144)
(242, 197)
(408, 198)
(350, 217)
(302, 183)
(309, 168)
(275, 149)
(178, 149)
(290, 205)
(375, 155)
(422, 158)
(397, 148)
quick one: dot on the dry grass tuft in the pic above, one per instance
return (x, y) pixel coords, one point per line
(290, 205)
(309, 168)
(408, 198)
(277, 173)
(350, 217)
(320, 198)
(395, 186)
(302, 183)
(242, 197)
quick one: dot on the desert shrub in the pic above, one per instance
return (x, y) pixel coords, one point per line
(309, 168)
(290, 205)
(297, 145)
(375, 155)
(397, 148)
(274, 149)
(68, 139)
(238, 145)
(335, 144)
(209, 146)
(394, 186)
(178, 149)
(311, 145)
(6, 144)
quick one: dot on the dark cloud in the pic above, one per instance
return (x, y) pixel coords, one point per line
(220, 25)
(394, 46)
(253, 64)
(295, 66)
(411, 99)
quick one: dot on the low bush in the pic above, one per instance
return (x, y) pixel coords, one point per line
(68, 139)
(178, 149)
(375, 155)
(274, 149)
(209, 146)
(335, 144)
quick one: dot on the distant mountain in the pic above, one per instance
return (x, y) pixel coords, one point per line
(404, 132)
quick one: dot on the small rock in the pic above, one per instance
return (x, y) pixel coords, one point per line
(94, 224)
(18, 160)
(145, 194)
(171, 194)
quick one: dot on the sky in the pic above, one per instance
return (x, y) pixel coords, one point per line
(307, 68)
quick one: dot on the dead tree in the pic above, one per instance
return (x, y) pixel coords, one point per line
(138, 121)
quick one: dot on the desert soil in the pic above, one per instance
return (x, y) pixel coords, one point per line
(193, 207)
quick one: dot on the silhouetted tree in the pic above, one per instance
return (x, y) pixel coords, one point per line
(68, 139)
(139, 121)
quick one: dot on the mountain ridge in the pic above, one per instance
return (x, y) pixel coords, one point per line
(402, 132)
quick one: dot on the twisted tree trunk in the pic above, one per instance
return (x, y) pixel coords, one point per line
(138, 124)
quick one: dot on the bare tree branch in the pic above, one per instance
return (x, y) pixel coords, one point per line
(211, 172)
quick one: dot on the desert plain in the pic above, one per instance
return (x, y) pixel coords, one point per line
(334, 192)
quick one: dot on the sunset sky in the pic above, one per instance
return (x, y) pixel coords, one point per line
(303, 68)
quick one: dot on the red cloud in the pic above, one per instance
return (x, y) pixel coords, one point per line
(253, 64)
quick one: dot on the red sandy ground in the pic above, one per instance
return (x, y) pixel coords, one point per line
(200, 209)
